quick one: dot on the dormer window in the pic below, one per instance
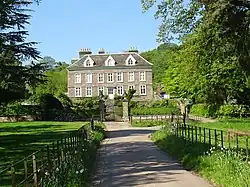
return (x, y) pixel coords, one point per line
(110, 61)
(88, 62)
(130, 61)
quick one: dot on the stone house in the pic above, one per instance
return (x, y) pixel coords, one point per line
(112, 74)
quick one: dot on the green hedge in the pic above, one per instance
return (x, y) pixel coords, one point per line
(233, 111)
(153, 111)
(222, 111)
(203, 110)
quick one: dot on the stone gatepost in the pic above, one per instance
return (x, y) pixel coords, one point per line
(102, 112)
(125, 115)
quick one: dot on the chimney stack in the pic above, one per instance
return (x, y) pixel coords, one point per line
(73, 60)
(101, 51)
(133, 50)
(84, 51)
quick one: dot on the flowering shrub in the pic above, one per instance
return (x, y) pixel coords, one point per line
(76, 165)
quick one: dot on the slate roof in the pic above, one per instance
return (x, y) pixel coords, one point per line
(120, 59)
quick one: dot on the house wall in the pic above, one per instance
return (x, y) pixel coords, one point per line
(148, 82)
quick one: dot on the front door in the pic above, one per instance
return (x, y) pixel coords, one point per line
(111, 92)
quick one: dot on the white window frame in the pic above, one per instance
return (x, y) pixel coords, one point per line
(111, 76)
(99, 89)
(98, 78)
(130, 80)
(144, 76)
(133, 86)
(88, 63)
(78, 78)
(130, 61)
(120, 88)
(121, 75)
(91, 62)
(110, 61)
(80, 92)
(87, 89)
(89, 79)
(141, 90)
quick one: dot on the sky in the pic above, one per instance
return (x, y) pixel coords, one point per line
(63, 27)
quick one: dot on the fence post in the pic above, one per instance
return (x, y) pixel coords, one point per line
(209, 137)
(247, 147)
(58, 153)
(53, 148)
(48, 157)
(229, 139)
(188, 132)
(215, 137)
(140, 118)
(13, 176)
(192, 134)
(196, 134)
(34, 170)
(25, 173)
(65, 142)
(221, 137)
(172, 117)
(185, 131)
(92, 124)
(204, 131)
(177, 125)
(184, 118)
(237, 143)
(199, 134)
(182, 130)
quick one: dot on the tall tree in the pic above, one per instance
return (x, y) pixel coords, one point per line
(160, 58)
(213, 64)
(14, 50)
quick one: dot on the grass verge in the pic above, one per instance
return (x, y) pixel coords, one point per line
(222, 167)
(224, 124)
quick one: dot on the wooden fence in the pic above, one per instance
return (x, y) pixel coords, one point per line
(31, 170)
(231, 139)
(167, 117)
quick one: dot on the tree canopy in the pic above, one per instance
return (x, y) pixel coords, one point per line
(15, 50)
(160, 58)
(212, 64)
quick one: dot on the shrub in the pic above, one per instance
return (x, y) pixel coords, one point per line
(65, 100)
(203, 110)
(86, 107)
(18, 109)
(233, 111)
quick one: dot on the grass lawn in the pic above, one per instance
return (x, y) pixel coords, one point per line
(224, 124)
(19, 139)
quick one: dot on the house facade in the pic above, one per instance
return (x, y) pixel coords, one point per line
(112, 74)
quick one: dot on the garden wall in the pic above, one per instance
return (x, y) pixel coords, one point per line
(18, 118)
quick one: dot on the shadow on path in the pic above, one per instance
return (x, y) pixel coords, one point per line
(129, 158)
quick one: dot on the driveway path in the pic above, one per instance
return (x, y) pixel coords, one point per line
(129, 158)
